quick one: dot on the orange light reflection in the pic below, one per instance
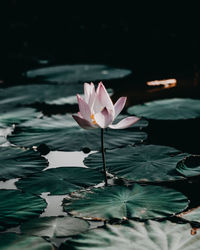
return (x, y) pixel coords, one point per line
(167, 83)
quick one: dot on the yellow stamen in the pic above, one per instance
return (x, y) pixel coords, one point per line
(93, 120)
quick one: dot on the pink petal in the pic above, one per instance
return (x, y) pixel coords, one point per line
(119, 105)
(104, 97)
(83, 123)
(87, 91)
(97, 106)
(104, 118)
(92, 94)
(84, 108)
(125, 123)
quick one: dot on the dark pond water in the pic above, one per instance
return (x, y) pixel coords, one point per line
(59, 102)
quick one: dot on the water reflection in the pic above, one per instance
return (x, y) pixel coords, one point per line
(161, 84)
(166, 83)
(9, 184)
(66, 159)
(54, 205)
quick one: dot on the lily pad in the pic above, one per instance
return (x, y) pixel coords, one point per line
(17, 116)
(189, 166)
(12, 241)
(54, 122)
(60, 180)
(54, 226)
(145, 163)
(193, 215)
(136, 235)
(28, 94)
(16, 207)
(78, 73)
(168, 109)
(144, 202)
(75, 138)
(15, 162)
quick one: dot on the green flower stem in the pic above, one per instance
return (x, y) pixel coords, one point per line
(103, 157)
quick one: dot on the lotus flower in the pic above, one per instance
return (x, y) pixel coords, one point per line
(96, 109)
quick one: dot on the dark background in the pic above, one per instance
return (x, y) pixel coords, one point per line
(152, 40)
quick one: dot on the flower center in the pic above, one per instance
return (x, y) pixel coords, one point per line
(93, 120)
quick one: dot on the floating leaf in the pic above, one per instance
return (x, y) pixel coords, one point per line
(189, 166)
(78, 73)
(75, 138)
(193, 215)
(151, 235)
(120, 202)
(29, 94)
(168, 109)
(54, 226)
(16, 207)
(12, 241)
(15, 162)
(54, 122)
(145, 163)
(60, 180)
(17, 116)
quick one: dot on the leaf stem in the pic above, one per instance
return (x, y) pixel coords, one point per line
(103, 156)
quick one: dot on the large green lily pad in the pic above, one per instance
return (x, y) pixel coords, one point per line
(151, 235)
(78, 73)
(16, 207)
(75, 138)
(12, 241)
(144, 202)
(193, 215)
(60, 180)
(54, 122)
(17, 116)
(145, 163)
(189, 166)
(28, 94)
(54, 226)
(168, 109)
(16, 162)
